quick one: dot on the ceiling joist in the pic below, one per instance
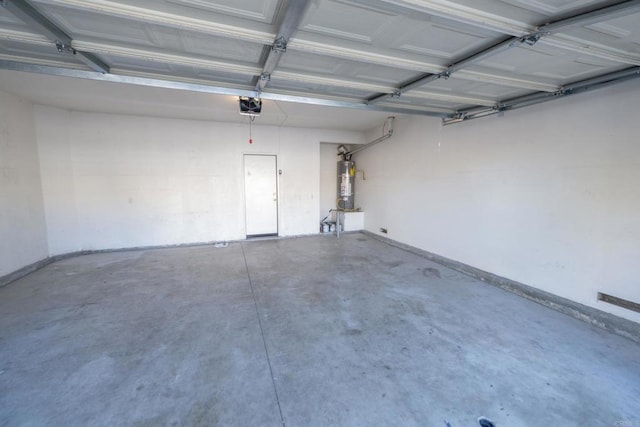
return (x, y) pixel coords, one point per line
(191, 45)
(219, 90)
(290, 22)
(39, 23)
(196, 61)
(444, 8)
(539, 97)
(511, 42)
(223, 66)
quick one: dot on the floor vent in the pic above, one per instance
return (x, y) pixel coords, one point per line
(629, 305)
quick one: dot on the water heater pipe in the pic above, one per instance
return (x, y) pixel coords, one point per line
(387, 135)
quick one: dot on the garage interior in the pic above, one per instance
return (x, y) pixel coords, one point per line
(180, 244)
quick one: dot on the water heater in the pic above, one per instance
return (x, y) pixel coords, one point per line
(346, 184)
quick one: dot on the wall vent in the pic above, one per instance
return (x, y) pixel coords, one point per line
(629, 305)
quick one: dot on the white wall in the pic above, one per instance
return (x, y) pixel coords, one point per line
(23, 238)
(114, 181)
(548, 195)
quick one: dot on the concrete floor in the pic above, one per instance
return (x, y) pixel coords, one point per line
(309, 331)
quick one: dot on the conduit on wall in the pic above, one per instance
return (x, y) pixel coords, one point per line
(388, 124)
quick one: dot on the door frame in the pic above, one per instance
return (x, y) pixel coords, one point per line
(244, 193)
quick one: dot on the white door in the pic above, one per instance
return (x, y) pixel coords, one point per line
(261, 195)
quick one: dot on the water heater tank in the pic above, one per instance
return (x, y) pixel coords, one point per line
(346, 184)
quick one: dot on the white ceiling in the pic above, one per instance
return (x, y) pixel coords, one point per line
(348, 51)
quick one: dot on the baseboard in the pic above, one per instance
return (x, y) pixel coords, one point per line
(28, 269)
(22, 272)
(601, 319)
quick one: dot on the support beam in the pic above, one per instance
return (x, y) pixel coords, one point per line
(572, 89)
(289, 25)
(443, 8)
(451, 9)
(598, 15)
(200, 87)
(428, 78)
(539, 97)
(149, 54)
(38, 22)
(204, 63)
(528, 39)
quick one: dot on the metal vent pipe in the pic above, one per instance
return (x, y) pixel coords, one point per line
(389, 124)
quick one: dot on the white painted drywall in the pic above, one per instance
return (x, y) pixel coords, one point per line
(548, 195)
(352, 221)
(23, 237)
(116, 181)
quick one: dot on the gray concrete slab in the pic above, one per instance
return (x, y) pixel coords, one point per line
(162, 337)
(356, 332)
